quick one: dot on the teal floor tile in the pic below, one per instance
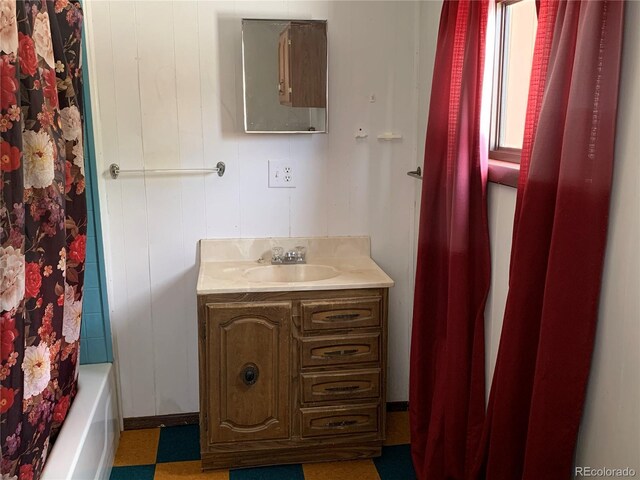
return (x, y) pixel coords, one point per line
(179, 444)
(280, 472)
(139, 472)
(395, 463)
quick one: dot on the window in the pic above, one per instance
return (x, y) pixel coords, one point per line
(516, 23)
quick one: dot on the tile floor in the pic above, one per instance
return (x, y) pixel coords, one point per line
(174, 452)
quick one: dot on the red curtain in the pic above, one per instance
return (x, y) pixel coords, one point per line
(453, 274)
(559, 238)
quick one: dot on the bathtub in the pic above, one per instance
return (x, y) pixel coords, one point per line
(86, 445)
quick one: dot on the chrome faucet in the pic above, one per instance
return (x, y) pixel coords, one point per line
(292, 257)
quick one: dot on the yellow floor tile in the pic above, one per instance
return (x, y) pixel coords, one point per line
(137, 447)
(397, 428)
(352, 470)
(188, 471)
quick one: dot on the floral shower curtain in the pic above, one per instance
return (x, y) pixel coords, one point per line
(43, 217)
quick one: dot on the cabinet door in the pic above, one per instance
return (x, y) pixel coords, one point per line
(284, 72)
(308, 64)
(248, 375)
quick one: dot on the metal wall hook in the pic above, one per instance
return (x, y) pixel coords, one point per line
(115, 170)
(417, 173)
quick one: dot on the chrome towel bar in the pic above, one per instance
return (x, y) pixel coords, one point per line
(115, 170)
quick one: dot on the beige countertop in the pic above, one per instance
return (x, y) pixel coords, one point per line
(231, 265)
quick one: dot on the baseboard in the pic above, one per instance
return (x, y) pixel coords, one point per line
(136, 423)
(397, 406)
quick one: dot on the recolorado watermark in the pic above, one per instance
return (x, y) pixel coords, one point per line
(604, 472)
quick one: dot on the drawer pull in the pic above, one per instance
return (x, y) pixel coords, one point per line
(343, 316)
(341, 424)
(349, 388)
(338, 350)
(341, 353)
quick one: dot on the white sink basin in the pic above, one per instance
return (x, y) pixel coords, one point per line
(290, 273)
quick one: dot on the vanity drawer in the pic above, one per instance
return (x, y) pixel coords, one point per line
(340, 350)
(341, 385)
(317, 422)
(340, 313)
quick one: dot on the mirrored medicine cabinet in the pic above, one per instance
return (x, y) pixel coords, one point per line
(284, 76)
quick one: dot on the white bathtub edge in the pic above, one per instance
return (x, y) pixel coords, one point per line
(89, 437)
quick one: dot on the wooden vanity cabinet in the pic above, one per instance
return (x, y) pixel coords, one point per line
(290, 377)
(302, 65)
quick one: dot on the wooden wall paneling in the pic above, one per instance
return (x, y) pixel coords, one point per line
(193, 187)
(134, 331)
(160, 137)
(218, 36)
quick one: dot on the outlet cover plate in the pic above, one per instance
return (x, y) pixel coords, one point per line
(282, 174)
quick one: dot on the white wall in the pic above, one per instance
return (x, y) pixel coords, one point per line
(167, 77)
(610, 430)
(501, 209)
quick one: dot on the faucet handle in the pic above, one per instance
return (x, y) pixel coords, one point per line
(291, 257)
(301, 253)
(277, 255)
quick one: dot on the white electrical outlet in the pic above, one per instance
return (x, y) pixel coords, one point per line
(281, 174)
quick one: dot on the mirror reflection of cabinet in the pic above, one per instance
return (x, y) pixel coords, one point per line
(302, 62)
(284, 75)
